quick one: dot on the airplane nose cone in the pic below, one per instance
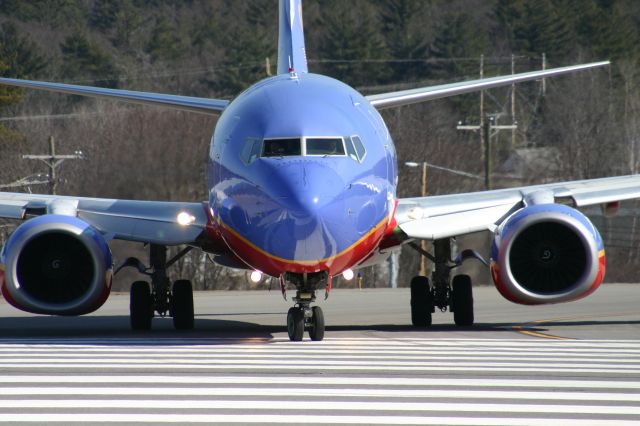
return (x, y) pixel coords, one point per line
(304, 188)
(308, 201)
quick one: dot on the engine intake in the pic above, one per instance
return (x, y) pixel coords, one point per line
(547, 253)
(56, 265)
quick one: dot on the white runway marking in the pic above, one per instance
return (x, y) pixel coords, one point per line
(338, 381)
(316, 392)
(320, 406)
(296, 419)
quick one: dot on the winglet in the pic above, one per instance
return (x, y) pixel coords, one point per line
(292, 56)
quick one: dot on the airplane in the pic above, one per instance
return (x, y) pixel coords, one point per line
(302, 176)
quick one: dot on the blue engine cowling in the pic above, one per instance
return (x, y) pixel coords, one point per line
(56, 265)
(547, 253)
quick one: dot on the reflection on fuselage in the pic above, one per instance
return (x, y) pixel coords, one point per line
(298, 207)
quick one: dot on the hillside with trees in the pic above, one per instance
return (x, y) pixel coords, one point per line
(582, 126)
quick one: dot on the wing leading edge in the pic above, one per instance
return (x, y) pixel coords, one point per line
(185, 103)
(412, 96)
(445, 216)
(143, 221)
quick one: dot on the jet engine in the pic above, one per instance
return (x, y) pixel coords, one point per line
(547, 253)
(57, 265)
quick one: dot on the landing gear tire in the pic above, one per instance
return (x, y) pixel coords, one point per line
(316, 329)
(421, 302)
(295, 324)
(182, 305)
(140, 306)
(462, 300)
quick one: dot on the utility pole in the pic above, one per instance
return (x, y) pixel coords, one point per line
(483, 140)
(423, 243)
(544, 67)
(513, 102)
(53, 161)
(486, 130)
(486, 125)
(488, 165)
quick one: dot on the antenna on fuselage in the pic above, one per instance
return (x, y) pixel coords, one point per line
(292, 71)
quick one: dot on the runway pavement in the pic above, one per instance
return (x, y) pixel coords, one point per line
(519, 365)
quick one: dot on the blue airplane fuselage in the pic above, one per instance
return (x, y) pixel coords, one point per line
(301, 213)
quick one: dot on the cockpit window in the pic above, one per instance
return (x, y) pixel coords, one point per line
(324, 146)
(359, 151)
(251, 150)
(351, 150)
(303, 146)
(281, 147)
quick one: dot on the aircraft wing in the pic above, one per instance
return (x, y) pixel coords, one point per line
(186, 103)
(444, 216)
(412, 96)
(143, 221)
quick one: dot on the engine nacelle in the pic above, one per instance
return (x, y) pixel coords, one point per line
(57, 265)
(547, 253)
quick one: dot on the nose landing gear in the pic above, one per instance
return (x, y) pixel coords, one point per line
(303, 317)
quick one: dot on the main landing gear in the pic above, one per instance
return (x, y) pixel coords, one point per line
(303, 316)
(160, 297)
(444, 293)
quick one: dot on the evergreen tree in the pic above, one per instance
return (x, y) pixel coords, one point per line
(405, 37)
(104, 14)
(352, 43)
(120, 19)
(608, 31)
(247, 42)
(538, 27)
(458, 43)
(85, 60)
(166, 43)
(19, 58)
(56, 13)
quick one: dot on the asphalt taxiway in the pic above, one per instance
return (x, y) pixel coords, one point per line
(577, 363)
(612, 312)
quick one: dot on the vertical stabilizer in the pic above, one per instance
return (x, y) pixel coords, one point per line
(291, 51)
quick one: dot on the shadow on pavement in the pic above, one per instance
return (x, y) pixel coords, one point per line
(96, 328)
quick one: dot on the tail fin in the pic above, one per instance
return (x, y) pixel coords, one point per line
(291, 51)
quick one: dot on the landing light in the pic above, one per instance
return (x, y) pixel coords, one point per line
(348, 275)
(415, 213)
(185, 218)
(256, 276)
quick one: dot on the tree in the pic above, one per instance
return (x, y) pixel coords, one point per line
(405, 37)
(119, 18)
(247, 44)
(458, 40)
(19, 58)
(537, 27)
(56, 13)
(352, 45)
(86, 60)
(608, 30)
(104, 14)
(166, 42)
